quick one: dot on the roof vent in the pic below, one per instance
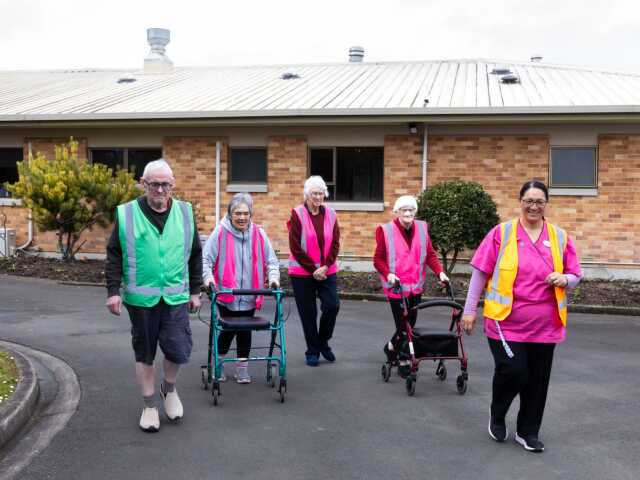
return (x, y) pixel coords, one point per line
(536, 58)
(157, 61)
(356, 54)
(127, 80)
(289, 76)
(501, 71)
(510, 78)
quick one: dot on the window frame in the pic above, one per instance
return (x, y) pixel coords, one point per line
(576, 190)
(125, 153)
(249, 187)
(347, 205)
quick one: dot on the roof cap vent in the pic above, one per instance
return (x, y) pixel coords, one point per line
(289, 76)
(510, 78)
(501, 71)
(157, 61)
(356, 54)
(536, 58)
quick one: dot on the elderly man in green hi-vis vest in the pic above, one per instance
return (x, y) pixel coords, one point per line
(155, 252)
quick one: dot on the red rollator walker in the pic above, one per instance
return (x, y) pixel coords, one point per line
(420, 344)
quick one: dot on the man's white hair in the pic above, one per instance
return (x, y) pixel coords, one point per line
(156, 165)
(315, 181)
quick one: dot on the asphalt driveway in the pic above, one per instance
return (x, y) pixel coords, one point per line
(339, 420)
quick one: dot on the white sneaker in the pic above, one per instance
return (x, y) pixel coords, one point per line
(172, 405)
(242, 372)
(149, 420)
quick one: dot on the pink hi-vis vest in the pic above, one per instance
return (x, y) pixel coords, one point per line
(224, 270)
(309, 241)
(408, 264)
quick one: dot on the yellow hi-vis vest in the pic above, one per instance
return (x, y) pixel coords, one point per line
(498, 295)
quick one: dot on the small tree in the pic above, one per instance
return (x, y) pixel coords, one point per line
(68, 195)
(459, 215)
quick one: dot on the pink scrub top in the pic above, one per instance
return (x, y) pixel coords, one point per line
(534, 314)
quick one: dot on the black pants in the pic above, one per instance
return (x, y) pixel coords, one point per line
(397, 309)
(526, 374)
(243, 337)
(306, 289)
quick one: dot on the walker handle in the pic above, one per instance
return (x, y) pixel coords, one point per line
(439, 303)
(253, 291)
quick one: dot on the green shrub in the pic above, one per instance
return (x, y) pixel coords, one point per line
(459, 214)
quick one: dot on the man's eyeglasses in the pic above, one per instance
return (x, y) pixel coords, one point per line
(156, 185)
(530, 202)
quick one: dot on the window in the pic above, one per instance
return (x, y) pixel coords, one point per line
(8, 168)
(134, 159)
(352, 174)
(573, 167)
(248, 166)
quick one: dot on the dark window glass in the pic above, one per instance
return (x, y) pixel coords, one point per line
(321, 163)
(248, 165)
(359, 174)
(8, 168)
(573, 167)
(138, 158)
(112, 158)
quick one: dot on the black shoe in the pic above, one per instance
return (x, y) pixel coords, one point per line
(404, 370)
(498, 429)
(530, 443)
(328, 355)
(391, 354)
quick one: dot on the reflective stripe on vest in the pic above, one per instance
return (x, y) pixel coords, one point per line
(132, 286)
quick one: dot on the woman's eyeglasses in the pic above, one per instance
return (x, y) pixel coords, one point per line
(529, 202)
(156, 185)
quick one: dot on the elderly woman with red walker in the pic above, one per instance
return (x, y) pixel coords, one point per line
(524, 266)
(403, 253)
(314, 242)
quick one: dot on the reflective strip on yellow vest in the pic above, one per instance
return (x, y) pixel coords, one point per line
(499, 289)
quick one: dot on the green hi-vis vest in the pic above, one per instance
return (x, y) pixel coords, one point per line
(155, 265)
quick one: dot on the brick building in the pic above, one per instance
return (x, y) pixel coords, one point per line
(373, 130)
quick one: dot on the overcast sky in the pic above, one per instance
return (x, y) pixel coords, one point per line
(39, 34)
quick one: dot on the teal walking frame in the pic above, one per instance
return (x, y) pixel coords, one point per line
(276, 359)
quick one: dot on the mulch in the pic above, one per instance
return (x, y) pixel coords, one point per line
(616, 293)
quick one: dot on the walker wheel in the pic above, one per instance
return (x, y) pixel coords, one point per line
(385, 371)
(441, 371)
(204, 375)
(282, 389)
(461, 384)
(215, 392)
(411, 385)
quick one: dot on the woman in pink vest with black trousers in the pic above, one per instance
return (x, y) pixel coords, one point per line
(403, 252)
(314, 243)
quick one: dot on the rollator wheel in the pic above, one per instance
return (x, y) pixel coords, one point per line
(205, 380)
(385, 371)
(411, 385)
(282, 389)
(215, 392)
(461, 384)
(441, 371)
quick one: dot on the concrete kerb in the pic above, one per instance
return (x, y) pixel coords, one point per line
(22, 404)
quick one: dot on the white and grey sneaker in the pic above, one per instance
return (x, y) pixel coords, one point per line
(149, 420)
(530, 443)
(242, 372)
(172, 405)
(223, 376)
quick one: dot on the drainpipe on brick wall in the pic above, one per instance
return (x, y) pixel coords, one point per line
(29, 217)
(425, 156)
(218, 148)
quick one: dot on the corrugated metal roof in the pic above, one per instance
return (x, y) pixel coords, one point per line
(388, 88)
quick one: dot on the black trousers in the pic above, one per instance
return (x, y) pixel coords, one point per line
(526, 374)
(243, 337)
(306, 290)
(397, 309)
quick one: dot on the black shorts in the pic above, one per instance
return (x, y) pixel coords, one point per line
(165, 324)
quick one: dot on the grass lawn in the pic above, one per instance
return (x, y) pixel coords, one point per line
(8, 376)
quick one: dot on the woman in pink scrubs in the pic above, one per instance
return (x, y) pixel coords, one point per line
(524, 267)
